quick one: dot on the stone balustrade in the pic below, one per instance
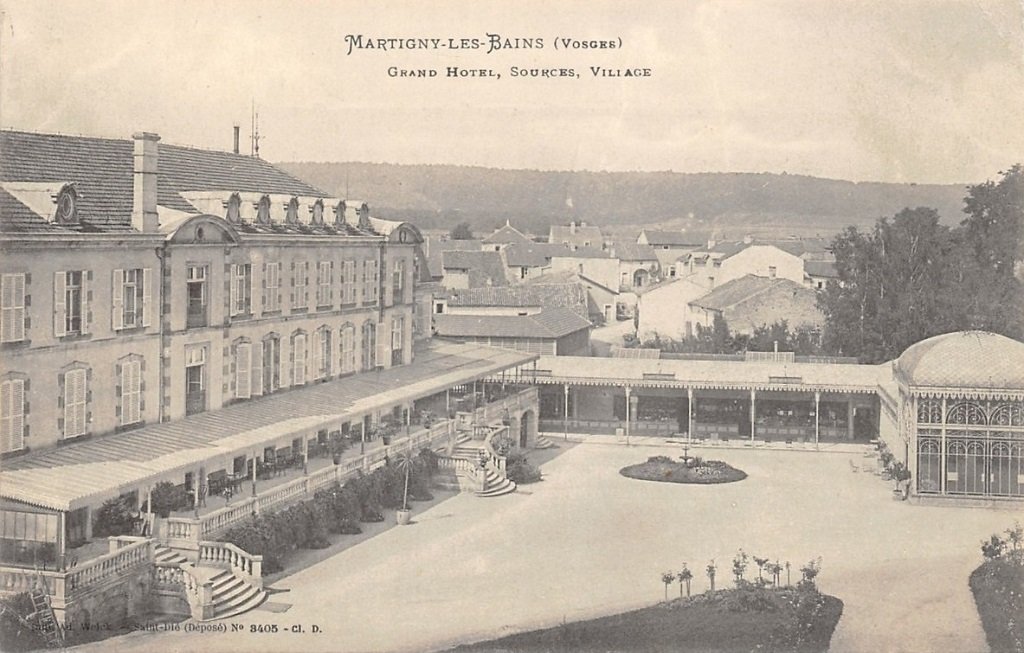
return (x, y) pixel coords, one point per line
(225, 555)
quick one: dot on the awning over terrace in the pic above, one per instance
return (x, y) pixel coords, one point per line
(79, 474)
(713, 374)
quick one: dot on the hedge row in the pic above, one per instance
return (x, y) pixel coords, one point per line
(337, 509)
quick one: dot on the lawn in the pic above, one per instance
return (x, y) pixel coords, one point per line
(708, 623)
(690, 470)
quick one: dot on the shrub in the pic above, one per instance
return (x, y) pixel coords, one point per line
(167, 497)
(14, 634)
(114, 517)
(519, 470)
(660, 459)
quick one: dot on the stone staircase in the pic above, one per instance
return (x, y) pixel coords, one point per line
(495, 484)
(543, 442)
(232, 595)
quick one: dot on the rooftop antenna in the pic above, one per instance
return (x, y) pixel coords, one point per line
(254, 141)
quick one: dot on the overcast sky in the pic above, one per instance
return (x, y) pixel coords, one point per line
(879, 90)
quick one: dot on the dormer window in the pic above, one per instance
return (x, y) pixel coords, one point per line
(291, 211)
(317, 212)
(339, 212)
(233, 208)
(67, 205)
(263, 210)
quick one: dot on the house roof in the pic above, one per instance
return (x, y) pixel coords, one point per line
(485, 268)
(964, 359)
(434, 247)
(551, 293)
(533, 255)
(673, 238)
(625, 251)
(585, 252)
(507, 234)
(821, 269)
(750, 301)
(102, 171)
(581, 235)
(549, 322)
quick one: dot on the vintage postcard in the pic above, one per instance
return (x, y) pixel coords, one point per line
(364, 326)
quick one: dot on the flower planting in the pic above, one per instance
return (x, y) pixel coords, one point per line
(690, 469)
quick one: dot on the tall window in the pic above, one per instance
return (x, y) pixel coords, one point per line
(271, 287)
(321, 350)
(271, 364)
(298, 359)
(195, 292)
(12, 415)
(398, 281)
(370, 281)
(131, 298)
(241, 289)
(348, 282)
(348, 349)
(131, 391)
(397, 340)
(300, 281)
(323, 283)
(369, 344)
(76, 395)
(12, 307)
(70, 302)
(243, 370)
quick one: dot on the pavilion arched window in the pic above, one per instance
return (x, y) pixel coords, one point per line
(956, 462)
(1008, 414)
(974, 468)
(966, 412)
(929, 411)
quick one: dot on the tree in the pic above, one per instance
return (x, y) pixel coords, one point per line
(667, 578)
(992, 248)
(711, 569)
(461, 231)
(685, 576)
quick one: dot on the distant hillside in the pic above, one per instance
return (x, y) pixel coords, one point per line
(437, 196)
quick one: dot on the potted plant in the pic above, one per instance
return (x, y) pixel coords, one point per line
(166, 497)
(404, 462)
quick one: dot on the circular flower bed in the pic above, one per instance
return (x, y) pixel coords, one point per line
(690, 469)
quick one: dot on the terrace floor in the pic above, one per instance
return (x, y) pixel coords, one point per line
(588, 542)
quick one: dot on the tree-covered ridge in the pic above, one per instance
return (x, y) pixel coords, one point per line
(911, 277)
(437, 196)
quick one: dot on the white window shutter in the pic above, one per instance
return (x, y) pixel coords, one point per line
(12, 326)
(256, 380)
(86, 304)
(12, 408)
(243, 370)
(317, 354)
(383, 350)
(60, 280)
(234, 291)
(147, 297)
(299, 354)
(117, 301)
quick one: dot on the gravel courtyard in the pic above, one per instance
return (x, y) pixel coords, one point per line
(587, 542)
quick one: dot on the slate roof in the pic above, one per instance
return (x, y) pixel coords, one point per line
(673, 238)
(434, 249)
(750, 301)
(965, 359)
(554, 293)
(583, 234)
(586, 252)
(550, 322)
(633, 252)
(533, 255)
(485, 267)
(507, 234)
(738, 290)
(101, 169)
(821, 269)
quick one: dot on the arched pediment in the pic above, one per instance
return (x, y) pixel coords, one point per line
(201, 230)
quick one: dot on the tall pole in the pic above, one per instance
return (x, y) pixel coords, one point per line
(362, 436)
(817, 410)
(565, 414)
(689, 417)
(753, 413)
(628, 392)
(254, 473)
(305, 455)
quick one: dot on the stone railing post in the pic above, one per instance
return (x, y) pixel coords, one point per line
(257, 571)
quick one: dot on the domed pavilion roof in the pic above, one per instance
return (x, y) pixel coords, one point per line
(964, 359)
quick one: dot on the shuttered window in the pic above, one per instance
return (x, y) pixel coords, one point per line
(299, 359)
(348, 282)
(12, 308)
(272, 287)
(243, 370)
(348, 349)
(131, 392)
(241, 289)
(300, 280)
(75, 404)
(323, 283)
(12, 415)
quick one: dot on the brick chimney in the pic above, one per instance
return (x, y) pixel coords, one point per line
(237, 128)
(144, 215)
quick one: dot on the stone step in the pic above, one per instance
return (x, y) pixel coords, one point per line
(248, 603)
(543, 442)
